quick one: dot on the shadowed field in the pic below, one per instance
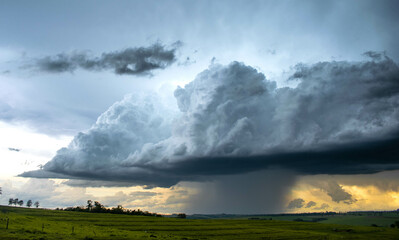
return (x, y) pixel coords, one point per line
(50, 224)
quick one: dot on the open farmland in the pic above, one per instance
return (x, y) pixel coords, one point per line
(51, 224)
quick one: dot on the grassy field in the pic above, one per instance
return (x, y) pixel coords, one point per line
(50, 224)
(381, 219)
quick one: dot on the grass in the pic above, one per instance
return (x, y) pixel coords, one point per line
(381, 219)
(27, 224)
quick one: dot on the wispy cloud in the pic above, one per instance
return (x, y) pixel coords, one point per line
(130, 61)
(14, 149)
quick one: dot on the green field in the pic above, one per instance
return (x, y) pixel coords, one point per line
(51, 224)
(381, 219)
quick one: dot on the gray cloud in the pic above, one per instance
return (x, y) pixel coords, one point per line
(132, 61)
(14, 149)
(385, 181)
(375, 55)
(336, 192)
(296, 203)
(310, 204)
(322, 207)
(94, 183)
(341, 118)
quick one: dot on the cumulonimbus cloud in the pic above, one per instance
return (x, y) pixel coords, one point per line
(341, 118)
(132, 61)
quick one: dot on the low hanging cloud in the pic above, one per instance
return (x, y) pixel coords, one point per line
(300, 203)
(341, 118)
(296, 203)
(130, 61)
(336, 192)
(322, 207)
(311, 204)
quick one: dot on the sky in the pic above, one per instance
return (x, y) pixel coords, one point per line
(201, 106)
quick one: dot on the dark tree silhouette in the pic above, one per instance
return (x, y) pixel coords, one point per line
(118, 210)
(11, 201)
(181, 215)
(98, 207)
(29, 203)
(20, 203)
(1, 191)
(36, 204)
(89, 205)
(15, 201)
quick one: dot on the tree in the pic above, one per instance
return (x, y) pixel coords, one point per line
(98, 207)
(89, 205)
(36, 204)
(11, 201)
(20, 203)
(1, 191)
(15, 201)
(181, 215)
(118, 210)
(29, 203)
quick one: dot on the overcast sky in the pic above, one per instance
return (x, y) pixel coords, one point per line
(185, 105)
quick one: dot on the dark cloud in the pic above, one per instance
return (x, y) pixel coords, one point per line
(14, 149)
(375, 55)
(342, 118)
(132, 61)
(384, 181)
(94, 183)
(310, 204)
(296, 203)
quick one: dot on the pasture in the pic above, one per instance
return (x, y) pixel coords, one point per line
(43, 224)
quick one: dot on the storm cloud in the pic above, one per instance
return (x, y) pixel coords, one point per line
(130, 61)
(341, 118)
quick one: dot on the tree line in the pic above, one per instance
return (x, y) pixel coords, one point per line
(20, 202)
(97, 207)
(93, 207)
